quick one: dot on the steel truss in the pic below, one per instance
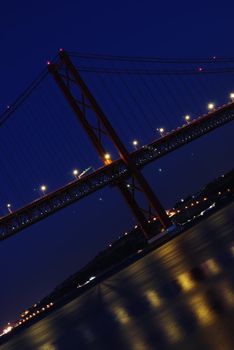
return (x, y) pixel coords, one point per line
(89, 112)
(116, 171)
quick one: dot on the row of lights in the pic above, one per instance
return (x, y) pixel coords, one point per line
(161, 130)
(75, 173)
(29, 317)
(43, 188)
(197, 202)
(211, 105)
(187, 118)
(135, 143)
(173, 212)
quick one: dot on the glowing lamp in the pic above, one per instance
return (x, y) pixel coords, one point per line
(232, 95)
(75, 172)
(43, 188)
(211, 106)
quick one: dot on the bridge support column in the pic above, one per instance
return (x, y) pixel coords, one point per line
(72, 76)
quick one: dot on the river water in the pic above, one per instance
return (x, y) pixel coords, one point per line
(179, 296)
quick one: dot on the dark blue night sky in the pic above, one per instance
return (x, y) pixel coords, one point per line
(37, 259)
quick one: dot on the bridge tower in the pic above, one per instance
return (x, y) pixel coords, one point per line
(80, 100)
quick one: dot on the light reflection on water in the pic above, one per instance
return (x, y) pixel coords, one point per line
(47, 346)
(185, 281)
(41, 337)
(180, 296)
(227, 294)
(205, 316)
(153, 298)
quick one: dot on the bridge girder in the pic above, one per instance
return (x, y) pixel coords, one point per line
(116, 171)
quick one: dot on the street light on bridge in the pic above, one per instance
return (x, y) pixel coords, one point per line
(75, 172)
(161, 131)
(187, 118)
(211, 106)
(107, 158)
(135, 143)
(232, 96)
(43, 189)
(9, 208)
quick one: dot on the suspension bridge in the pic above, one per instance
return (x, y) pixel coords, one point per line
(143, 99)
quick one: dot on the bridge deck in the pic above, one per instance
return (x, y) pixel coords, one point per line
(116, 171)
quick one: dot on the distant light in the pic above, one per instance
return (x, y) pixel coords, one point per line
(187, 118)
(182, 200)
(9, 208)
(200, 69)
(107, 158)
(210, 106)
(161, 131)
(48, 63)
(7, 329)
(135, 142)
(128, 185)
(75, 172)
(232, 95)
(60, 50)
(43, 188)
